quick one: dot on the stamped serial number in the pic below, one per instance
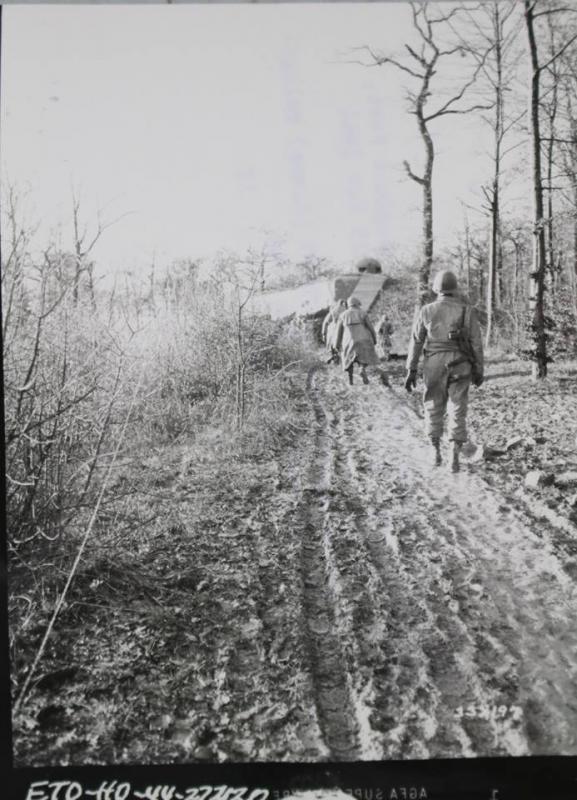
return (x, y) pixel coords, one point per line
(489, 712)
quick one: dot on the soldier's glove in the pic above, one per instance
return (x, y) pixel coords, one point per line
(478, 379)
(411, 380)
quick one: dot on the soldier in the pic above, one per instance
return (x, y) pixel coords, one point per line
(355, 338)
(449, 331)
(384, 332)
(329, 329)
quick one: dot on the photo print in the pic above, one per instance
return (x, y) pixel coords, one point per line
(289, 306)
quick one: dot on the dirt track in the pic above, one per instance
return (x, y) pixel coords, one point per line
(339, 599)
(440, 619)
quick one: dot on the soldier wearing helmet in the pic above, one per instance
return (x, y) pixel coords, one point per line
(355, 339)
(329, 329)
(448, 333)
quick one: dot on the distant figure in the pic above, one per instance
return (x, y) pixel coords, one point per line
(448, 330)
(356, 338)
(384, 332)
(329, 329)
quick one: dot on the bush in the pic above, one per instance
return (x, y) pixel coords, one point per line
(75, 371)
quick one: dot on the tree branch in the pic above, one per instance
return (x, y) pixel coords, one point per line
(559, 53)
(380, 60)
(416, 12)
(412, 175)
(551, 11)
(443, 113)
(445, 109)
(451, 14)
(416, 56)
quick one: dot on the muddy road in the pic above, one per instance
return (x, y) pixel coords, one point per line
(334, 598)
(439, 614)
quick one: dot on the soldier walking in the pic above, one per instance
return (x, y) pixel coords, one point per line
(384, 333)
(329, 329)
(355, 339)
(448, 333)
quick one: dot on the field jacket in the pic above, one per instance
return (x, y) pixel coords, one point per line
(431, 328)
(355, 338)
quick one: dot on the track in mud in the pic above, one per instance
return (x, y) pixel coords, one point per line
(440, 618)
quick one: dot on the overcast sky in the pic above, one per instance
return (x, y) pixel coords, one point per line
(210, 124)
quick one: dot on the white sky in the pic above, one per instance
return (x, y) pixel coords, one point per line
(211, 123)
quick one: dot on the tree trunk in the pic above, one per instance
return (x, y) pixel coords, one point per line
(240, 369)
(92, 293)
(481, 276)
(537, 275)
(552, 117)
(76, 281)
(425, 272)
(516, 276)
(427, 183)
(501, 284)
(493, 257)
(494, 249)
(468, 255)
(572, 264)
(573, 178)
(550, 208)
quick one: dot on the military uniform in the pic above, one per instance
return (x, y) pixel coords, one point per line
(384, 341)
(329, 328)
(448, 368)
(355, 339)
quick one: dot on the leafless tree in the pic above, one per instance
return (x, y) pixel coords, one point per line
(16, 257)
(422, 63)
(570, 166)
(313, 267)
(490, 34)
(84, 243)
(243, 277)
(534, 11)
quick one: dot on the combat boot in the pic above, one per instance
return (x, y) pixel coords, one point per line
(437, 459)
(455, 451)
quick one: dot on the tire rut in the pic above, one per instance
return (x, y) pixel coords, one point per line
(448, 560)
(331, 668)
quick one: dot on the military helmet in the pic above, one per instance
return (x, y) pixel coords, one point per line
(445, 282)
(353, 302)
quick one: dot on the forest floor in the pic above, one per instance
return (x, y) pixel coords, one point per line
(336, 598)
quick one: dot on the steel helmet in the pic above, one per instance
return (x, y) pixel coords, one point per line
(445, 282)
(353, 302)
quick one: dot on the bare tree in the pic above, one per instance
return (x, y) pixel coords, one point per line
(495, 30)
(84, 243)
(570, 165)
(16, 242)
(243, 277)
(260, 258)
(538, 65)
(493, 195)
(313, 267)
(422, 63)
(565, 139)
